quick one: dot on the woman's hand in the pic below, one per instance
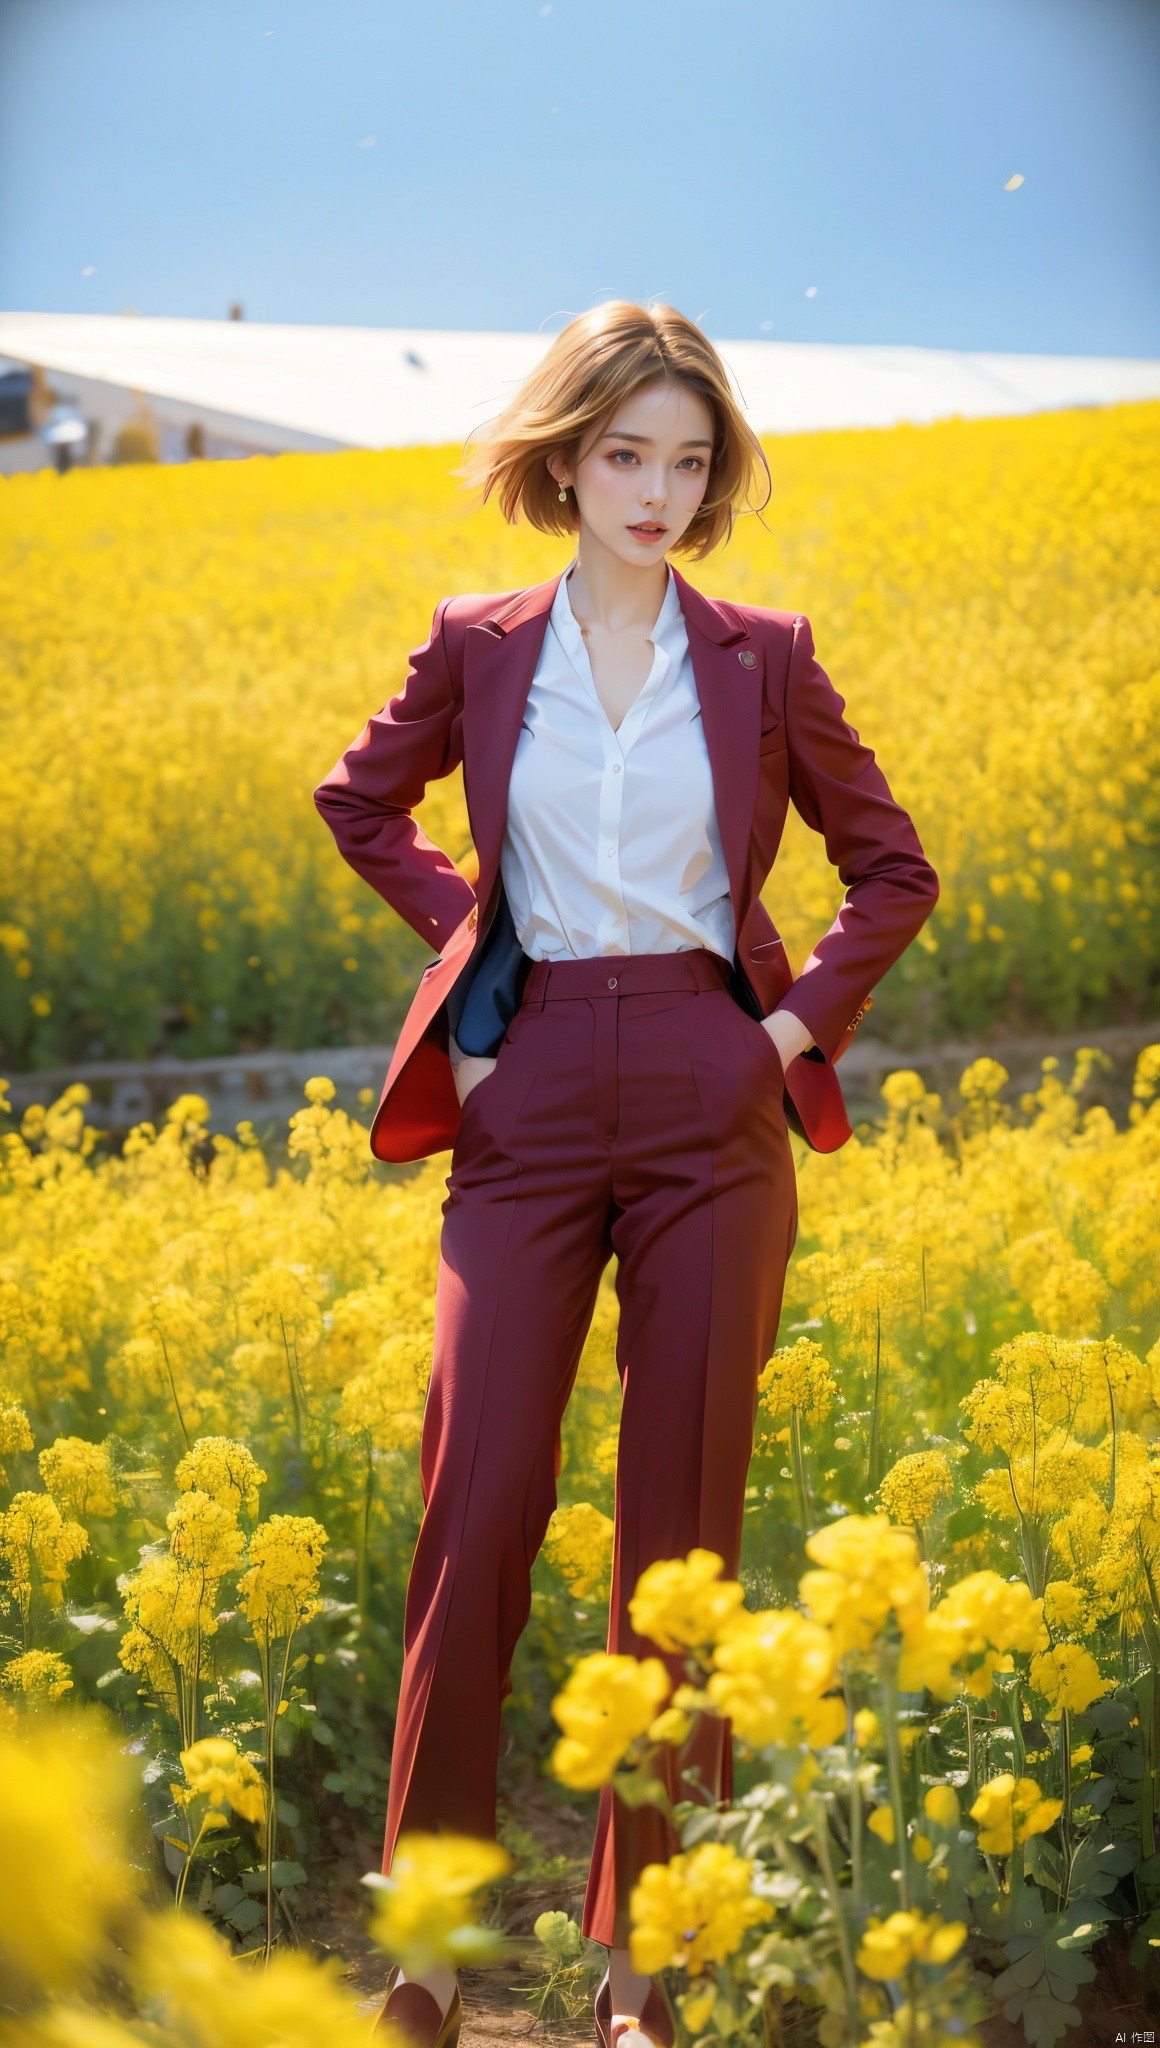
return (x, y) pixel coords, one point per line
(468, 1072)
(788, 1033)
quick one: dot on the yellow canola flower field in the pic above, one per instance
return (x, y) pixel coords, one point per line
(184, 652)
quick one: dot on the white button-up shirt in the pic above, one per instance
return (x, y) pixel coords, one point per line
(612, 843)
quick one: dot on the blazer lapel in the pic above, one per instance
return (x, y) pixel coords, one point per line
(499, 660)
(730, 692)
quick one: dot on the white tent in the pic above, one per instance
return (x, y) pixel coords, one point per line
(283, 387)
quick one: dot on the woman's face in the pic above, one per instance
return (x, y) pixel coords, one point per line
(639, 485)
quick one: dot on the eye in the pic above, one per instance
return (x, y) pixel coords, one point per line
(623, 456)
(693, 462)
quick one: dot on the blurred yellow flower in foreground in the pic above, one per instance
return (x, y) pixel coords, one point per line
(891, 1946)
(941, 1805)
(1008, 1811)
(200, 1993)
(684, 1603)
(693, 1910)
(607, 1704)
(64, 1792)
(423, 1908)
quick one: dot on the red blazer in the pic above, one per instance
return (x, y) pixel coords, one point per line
(775, 732)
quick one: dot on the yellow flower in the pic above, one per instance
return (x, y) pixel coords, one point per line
(39, 1672)
(922, 1847)
(423, 1908)
(203, 1999)
(684, 1603)
(881, 1823)
(1008, 1811)
(204, 1537)
(696, 2007)
(15, 1434)
(215, 1771)
(799, 1377)
(693, 1910)
(916, 1486)
(64, 1794)
(607, 1704)
(867, 1727)
(78, 1476)
(35, 1537)
(1065, 1605)
(870, 1571)
(889, 1947)
(769, 1677)
(579, 1546)
(941, 1805)
(969, 1635)
(672, 1726)
(225, 1470)
(1068, 1676)
(279, 1591)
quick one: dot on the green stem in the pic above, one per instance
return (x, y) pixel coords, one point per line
(801, 1483)
(894, 1775)
(856, 1805)
(872, 1446)
(172, 1386)
(849, 1973)
(971, 1785)
(290, 1375)
(365, 1530)
(1017, 1728)
(193, 1849)
(273, 1695)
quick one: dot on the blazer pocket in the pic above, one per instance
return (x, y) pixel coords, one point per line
(773, 740)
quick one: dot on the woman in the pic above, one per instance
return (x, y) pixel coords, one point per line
(612, 1039)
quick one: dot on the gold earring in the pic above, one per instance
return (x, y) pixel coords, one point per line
(563, 494)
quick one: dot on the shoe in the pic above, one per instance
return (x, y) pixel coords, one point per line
(415, 2017)
(654, 2021)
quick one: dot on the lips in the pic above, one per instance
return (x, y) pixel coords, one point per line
(648, 529)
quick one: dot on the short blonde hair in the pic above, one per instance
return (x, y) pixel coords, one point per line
(593, 365)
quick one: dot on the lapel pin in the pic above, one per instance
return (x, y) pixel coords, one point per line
(747, 658)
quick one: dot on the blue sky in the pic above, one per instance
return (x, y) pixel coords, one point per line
(831, 170)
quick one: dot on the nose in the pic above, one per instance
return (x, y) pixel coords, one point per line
(654, 488)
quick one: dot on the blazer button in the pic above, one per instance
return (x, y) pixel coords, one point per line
(747, 658)
(612, 983)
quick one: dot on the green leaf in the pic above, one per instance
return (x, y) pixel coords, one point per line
(322, 1732)
(224, 1896)
(287, 1874)
(245, 1915)
(1110, 1716)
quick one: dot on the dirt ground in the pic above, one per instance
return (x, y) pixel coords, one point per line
(559, 1840)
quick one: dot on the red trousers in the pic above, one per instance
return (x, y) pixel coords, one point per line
(635, 1110)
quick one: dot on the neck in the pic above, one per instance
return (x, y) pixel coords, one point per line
(606, 591)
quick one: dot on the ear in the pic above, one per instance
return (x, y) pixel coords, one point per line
(557, 465)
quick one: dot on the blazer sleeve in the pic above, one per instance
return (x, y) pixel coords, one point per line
(891, 888)
(369, 795)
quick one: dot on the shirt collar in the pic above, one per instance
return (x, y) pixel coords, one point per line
(668, 633)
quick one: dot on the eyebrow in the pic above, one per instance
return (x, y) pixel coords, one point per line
(646, 440)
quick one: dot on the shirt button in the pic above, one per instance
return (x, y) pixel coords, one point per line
(616, 767)
(611, 852)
